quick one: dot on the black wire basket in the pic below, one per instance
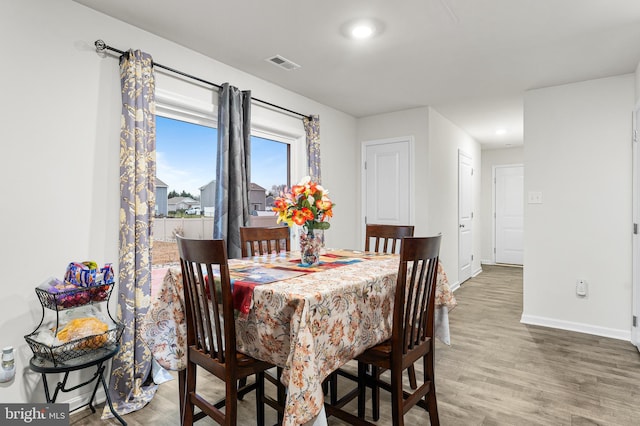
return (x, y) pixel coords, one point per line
(59, 354)
(73, 298)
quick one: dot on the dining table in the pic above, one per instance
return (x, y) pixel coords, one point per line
(308, 320)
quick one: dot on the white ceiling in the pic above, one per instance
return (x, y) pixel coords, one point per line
(472, 60)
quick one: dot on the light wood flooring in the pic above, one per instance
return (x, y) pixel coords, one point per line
(497, 371)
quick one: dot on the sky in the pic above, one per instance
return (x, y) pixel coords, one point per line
(186, 157)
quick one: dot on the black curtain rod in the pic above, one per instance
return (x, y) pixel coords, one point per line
(101, 46)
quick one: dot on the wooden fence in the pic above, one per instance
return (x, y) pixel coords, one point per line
(165, 229)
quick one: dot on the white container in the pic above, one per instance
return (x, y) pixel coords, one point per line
(8, 370)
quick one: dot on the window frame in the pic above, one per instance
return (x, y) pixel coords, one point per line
(266, 123)
(179, 99)
(199, 107)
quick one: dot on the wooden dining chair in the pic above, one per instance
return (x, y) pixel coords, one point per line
(412, 333)
(256, 240)
(211, 336)
(379, 238)
(386, 238)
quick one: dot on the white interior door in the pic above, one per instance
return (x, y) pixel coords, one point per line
(465, 217)
(509, 214)
(635, 329)
(387, 181)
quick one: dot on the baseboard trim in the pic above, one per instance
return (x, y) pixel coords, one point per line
(578, 327)
(454, 286)
(81, 400)
(507, 265)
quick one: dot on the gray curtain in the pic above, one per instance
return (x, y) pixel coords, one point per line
(130, 368)
(233, 174)
(312, 130)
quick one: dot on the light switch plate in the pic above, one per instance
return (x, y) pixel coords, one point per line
(535, 197)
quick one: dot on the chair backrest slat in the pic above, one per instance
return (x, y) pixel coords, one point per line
(415, 292)
(208, 299)
(214, 301)
(386, 238)
(256, 240)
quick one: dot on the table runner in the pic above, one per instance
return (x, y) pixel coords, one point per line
(245, 278)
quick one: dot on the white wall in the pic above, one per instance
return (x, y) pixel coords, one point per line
(445, 140)
(490, 159)
(60, 132)
(577, 152)
(637, 74)
(437, 141)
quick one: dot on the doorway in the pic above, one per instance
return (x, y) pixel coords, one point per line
(509, 214)
(387, 180)
(465, 216)
(635, 326)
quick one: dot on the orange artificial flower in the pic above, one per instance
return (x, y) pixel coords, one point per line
(297, 190)
(312, 188)
(324, 203)
(279, 205)
(300, 217)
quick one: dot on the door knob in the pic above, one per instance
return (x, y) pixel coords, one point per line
(461, 225)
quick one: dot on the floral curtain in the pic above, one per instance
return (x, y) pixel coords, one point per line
(131, 367)
(312, 130)
(233, 174)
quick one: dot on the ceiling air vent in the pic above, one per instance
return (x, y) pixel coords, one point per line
(283, 63)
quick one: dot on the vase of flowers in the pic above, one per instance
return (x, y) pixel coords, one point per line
(311, 242)
(307, 205)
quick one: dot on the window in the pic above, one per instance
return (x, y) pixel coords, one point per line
(185, 167)
(185, 181)
(186, 142)
(269, 172)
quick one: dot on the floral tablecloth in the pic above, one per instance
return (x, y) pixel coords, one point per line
(310, 324)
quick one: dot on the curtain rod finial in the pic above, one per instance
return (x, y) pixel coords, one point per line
(100, 45)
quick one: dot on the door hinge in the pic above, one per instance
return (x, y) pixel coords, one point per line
(365, 165)
(635, 321)
(471, 215)
(471, 172)
(635, 228)
(494, 250)
(472, 258)
(365, 220)
(635, 135)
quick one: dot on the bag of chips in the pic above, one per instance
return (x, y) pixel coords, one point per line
(80, 328)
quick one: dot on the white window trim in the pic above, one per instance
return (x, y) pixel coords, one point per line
(178, 107)
(265, 123)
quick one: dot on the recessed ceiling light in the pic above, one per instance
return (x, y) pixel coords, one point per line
(501, 131)
(361, 29)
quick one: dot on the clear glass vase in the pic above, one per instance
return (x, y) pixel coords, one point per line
(311, 243)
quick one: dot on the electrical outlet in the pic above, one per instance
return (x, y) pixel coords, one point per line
(581, 288)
